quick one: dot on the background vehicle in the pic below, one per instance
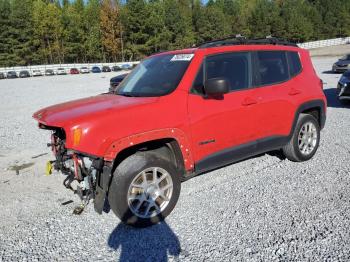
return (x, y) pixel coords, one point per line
(116, 68)
(126, 66)
(2, 75)
(49, 72)
(24, 73)
(84, 70)
(182, 113)
(115, 81)
(74, 71)
(342, 64)
(61, 71)
(36, 72)
(11, 74)
(343, 88)
(106, 69)
(96, 69)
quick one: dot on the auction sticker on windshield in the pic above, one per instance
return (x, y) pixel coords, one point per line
(182, 57)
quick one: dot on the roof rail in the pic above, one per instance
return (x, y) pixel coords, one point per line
(241, 40)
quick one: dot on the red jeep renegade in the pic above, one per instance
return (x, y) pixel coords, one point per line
(181, 113)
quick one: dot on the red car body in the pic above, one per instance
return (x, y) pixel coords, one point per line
(110, 123)
(201, 131)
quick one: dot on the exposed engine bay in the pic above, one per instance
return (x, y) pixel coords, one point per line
(83, 172)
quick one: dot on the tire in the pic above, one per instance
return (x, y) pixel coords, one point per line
(292, 150)
(131, 171)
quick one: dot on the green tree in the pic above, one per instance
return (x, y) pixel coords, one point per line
(265, 20)
(298, 27)
(48, 32)
(212, 24)
(74, 34)
(111, 29)
(134, 14)
(21, 30)
(92, 45)
(179, 24)
(5, 40)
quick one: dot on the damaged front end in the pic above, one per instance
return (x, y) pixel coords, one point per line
(86, 175)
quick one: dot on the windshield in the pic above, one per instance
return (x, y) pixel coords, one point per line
(155, 76)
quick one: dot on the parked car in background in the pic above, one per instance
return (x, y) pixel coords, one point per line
(106, 69)
(24, 73)
(11, 74)
(126, 67)
(2, 75)
(183, 113)
(115, 81)
(49, 72)
(61, 71)
(74, 71)
(116, 68)
(37, 72)
(342, 64)
(343, 88)
(84, 70)
(96, 69)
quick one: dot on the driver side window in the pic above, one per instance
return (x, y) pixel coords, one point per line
(234, 67)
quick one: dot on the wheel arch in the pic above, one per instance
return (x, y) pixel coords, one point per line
(170, 143)
(316, 108)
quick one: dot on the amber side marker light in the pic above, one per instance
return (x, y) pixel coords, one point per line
(77, 132)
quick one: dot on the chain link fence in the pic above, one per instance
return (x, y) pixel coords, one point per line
(325, 43)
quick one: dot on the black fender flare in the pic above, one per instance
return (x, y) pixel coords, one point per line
(319, 104)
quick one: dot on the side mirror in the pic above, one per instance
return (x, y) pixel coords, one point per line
(216, 86)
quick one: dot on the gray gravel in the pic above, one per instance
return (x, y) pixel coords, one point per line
(261, 209)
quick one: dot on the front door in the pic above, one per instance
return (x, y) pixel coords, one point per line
(219, 124)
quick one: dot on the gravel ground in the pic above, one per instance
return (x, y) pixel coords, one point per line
(261, 209)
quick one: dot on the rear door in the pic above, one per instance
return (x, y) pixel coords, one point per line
(274, 93)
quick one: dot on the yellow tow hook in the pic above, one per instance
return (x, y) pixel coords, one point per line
(48, 169)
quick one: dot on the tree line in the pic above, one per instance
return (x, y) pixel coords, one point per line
(62, 31)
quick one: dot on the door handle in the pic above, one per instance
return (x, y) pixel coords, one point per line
(293, 92)
(249, 101)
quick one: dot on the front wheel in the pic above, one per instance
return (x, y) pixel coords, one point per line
(305, 139)
(144, 190)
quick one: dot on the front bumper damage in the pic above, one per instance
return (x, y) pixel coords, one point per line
(86, 175)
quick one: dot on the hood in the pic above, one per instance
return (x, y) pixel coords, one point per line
(69, 112)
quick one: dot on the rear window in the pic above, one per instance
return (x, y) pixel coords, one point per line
(272, 67)
(294, 63)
